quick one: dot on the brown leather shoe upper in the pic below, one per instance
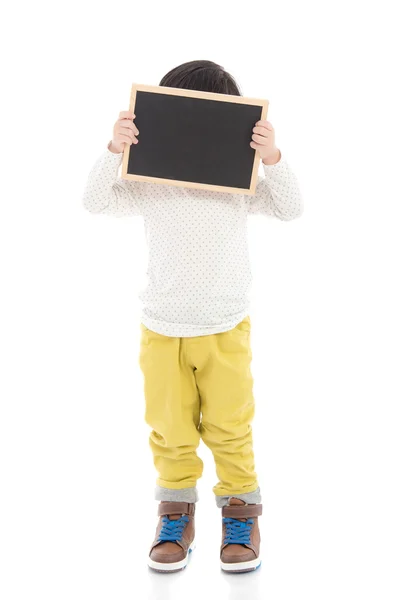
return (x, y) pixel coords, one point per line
(237, 553)
(173, 551)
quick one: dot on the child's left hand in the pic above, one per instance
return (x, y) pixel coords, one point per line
(263, 140)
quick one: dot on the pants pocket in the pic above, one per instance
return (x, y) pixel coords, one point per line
(236, 339)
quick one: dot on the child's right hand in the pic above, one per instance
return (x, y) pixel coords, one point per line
(124, 133)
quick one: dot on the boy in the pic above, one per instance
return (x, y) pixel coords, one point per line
(195, 350)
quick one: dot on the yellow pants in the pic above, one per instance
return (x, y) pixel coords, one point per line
(200, 388)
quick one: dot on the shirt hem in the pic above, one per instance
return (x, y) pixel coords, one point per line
(179, 330)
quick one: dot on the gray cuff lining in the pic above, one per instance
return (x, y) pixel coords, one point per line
(249, 498)
(189, 495)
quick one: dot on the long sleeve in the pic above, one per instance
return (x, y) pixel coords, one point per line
(106, 193)
(277, 193)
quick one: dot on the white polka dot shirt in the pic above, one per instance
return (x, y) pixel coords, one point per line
(199, 273)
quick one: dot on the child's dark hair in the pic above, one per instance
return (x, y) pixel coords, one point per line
(201, 75)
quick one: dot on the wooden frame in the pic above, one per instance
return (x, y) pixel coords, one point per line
(194, 94)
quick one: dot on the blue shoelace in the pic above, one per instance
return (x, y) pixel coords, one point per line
(238, 532)
(171, 531)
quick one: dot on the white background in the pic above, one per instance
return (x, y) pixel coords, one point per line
(77, 480)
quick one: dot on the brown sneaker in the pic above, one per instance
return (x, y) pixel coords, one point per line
(174, 539)
(240, 549)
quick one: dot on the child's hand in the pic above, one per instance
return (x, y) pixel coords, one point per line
(124, 132)
(263, 140)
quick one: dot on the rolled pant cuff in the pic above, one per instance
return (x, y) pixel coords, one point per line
(249, 498)
(189, 495)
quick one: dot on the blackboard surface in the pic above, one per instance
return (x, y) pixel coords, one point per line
(193, 139)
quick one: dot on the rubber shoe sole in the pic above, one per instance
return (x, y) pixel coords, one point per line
(242, 567)
(171, 567)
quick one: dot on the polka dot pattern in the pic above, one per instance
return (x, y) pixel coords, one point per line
(199, 273)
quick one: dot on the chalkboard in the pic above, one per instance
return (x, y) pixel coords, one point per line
(194, 139)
